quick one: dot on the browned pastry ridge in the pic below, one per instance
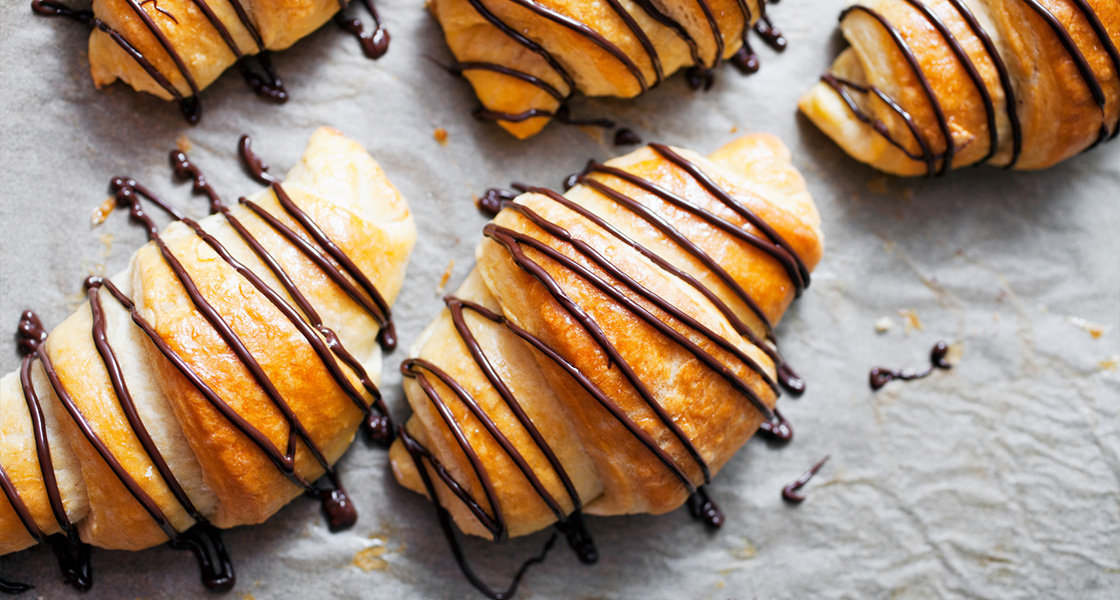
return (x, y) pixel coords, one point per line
(218, 376)
(525, 58)
(613, 347)
(931, 85)
(174, 49)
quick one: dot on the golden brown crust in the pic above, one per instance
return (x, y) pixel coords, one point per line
(613, 471)
(194, 38)
(1053, 105)
(227, 478)
(593, 69)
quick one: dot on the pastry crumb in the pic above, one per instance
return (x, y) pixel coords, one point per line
(1095, 330)
(443, 279)
(247, 596)
(593, 132)
(1110, 364)
(735, 129)
(183, 143)
(106, 244)
(102, 211)
(370, 559)
(440, 134)
(911, 320)
(878, 184)
(883, 324)
(747, 552)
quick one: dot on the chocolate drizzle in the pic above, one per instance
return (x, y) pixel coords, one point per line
(264, 80)
(945, 158)
(777, 429)
(203, 540)
(626, 137)
(789, 492)
(881, 376)
(14, 587)
(374, 44)
(703, 509)
(699, 76)
(624, 290)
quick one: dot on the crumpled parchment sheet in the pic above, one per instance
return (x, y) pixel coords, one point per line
(997, 479)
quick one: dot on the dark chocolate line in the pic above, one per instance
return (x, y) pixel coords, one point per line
(789, 492)
(1004, 81)
(970, 68)
(923, 80)
(418, 452)
(513, 240)
(388, 335)
(494, 524)
(455, 306)
(325, 348)
(777, 247)
(128, 405)
(604, 263)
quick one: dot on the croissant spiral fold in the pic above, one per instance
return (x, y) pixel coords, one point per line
(612, 348)
(220, 374)
(174, 49)
(931, 85)
(524, 58)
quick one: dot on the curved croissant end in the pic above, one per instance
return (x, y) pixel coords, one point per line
(220, 374)
(174, 49)
(931, 85)
(524, 58)
(613, 347)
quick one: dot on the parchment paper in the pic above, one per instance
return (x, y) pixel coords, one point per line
(998, 479)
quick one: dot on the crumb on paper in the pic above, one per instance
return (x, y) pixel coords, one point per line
(883, 324)
(593, 132)
(734, 129)
(1110, 364)
(370, 559)
(747, 552)
(440, 134)
(1095, 330)
(911, 319)
(953, 356)
(476, 200)
(106, 244)
(995, 317)
(247, 596)
(878, 184)
(183, 143)
(102, 211)
(446, 275)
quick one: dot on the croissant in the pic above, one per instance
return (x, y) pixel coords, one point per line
(218, 376)
(173, 49)
(930, 85)
(525, 58)
(613, 346)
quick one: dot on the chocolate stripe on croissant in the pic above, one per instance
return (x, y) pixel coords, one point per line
(787, 376)
(268, 85)
(700, 505)
(1060, 30)
(203, 539)
(700, 77)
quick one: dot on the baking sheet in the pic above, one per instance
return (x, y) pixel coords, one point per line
(998, 479)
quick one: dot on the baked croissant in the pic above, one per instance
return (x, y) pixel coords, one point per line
(613, 347)
(930, 85)
(218, 376)
(173, 49)
(524, 58)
